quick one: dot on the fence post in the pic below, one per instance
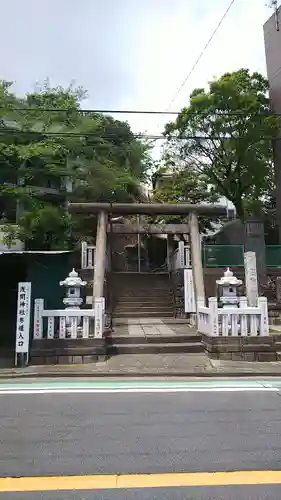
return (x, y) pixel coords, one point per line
(90, 252)
(189, 295)
(264, 326)
(243, 317)
(251, 279)
(214, 319)
(38, 319)
(84, 255)
(99, 315)
(187, 256)
(199, 321)
(181, 254)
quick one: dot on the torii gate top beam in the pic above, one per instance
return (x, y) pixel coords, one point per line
(148, 209)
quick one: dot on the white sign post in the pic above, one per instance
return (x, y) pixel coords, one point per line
(99, 316)
(251, 278)
(84, 252)
(38, 319)
(189, 295)
(23, 323)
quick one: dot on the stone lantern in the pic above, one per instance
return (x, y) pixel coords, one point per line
(73, 299)
(228, 289)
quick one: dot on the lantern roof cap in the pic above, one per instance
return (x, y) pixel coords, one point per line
(229, 279)
(73, 280)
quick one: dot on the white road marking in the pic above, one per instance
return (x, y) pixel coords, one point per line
(76, 390)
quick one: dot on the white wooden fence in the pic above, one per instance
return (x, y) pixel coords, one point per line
(88, 254)
(241, 321)
(68, 323)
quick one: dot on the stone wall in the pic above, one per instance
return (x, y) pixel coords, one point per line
(64, 352)
(243, 348)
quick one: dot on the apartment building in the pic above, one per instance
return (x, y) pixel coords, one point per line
(272, 43)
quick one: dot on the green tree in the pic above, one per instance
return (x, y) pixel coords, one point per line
(183, 185)
(100, 156)
(225, 134)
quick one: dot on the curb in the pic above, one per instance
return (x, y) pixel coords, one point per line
(99, 375)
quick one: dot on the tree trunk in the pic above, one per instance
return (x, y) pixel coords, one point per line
(240, 212)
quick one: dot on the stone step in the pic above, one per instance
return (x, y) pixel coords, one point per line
(148, 295)
(274, 313)
(274, 321)
(142, 303)
(154, 321)
(143, 314)
(155, 348)
(143, 285)
(139, 291)
(144, 307)
(135, 300)
(139, 276)
(114, 338)
(139, 283)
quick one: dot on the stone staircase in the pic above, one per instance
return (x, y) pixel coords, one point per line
(154, 336)
(274, 317)
(143, 317)
(138, 295)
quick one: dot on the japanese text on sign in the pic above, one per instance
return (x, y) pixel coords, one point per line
(23, 317)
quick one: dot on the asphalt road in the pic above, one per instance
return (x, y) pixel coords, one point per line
(141, 433)
(210, 493)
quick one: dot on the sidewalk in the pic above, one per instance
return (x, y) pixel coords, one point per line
(151, 365)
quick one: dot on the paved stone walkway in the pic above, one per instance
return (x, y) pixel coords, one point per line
(275, 328)
(151, 326)
(151, 365)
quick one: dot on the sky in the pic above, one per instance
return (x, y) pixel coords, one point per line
(129, 54)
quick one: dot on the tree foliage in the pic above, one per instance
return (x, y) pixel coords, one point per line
(47, 144)
(225, 135)
(183, 185)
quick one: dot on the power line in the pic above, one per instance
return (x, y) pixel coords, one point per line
(91, 111)
(136, 112)
(112, 136)
(201, 54)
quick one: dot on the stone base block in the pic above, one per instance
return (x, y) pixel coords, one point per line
(68, 351)
(7, 362)
(243, 348)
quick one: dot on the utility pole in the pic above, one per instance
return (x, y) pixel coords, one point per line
(274, 5)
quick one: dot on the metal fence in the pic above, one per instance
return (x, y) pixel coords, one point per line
(233, 255)
(273, 255)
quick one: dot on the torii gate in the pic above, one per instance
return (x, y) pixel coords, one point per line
(103, 210)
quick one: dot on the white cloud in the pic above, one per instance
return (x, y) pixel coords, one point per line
(129, 53)
(173, 38)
